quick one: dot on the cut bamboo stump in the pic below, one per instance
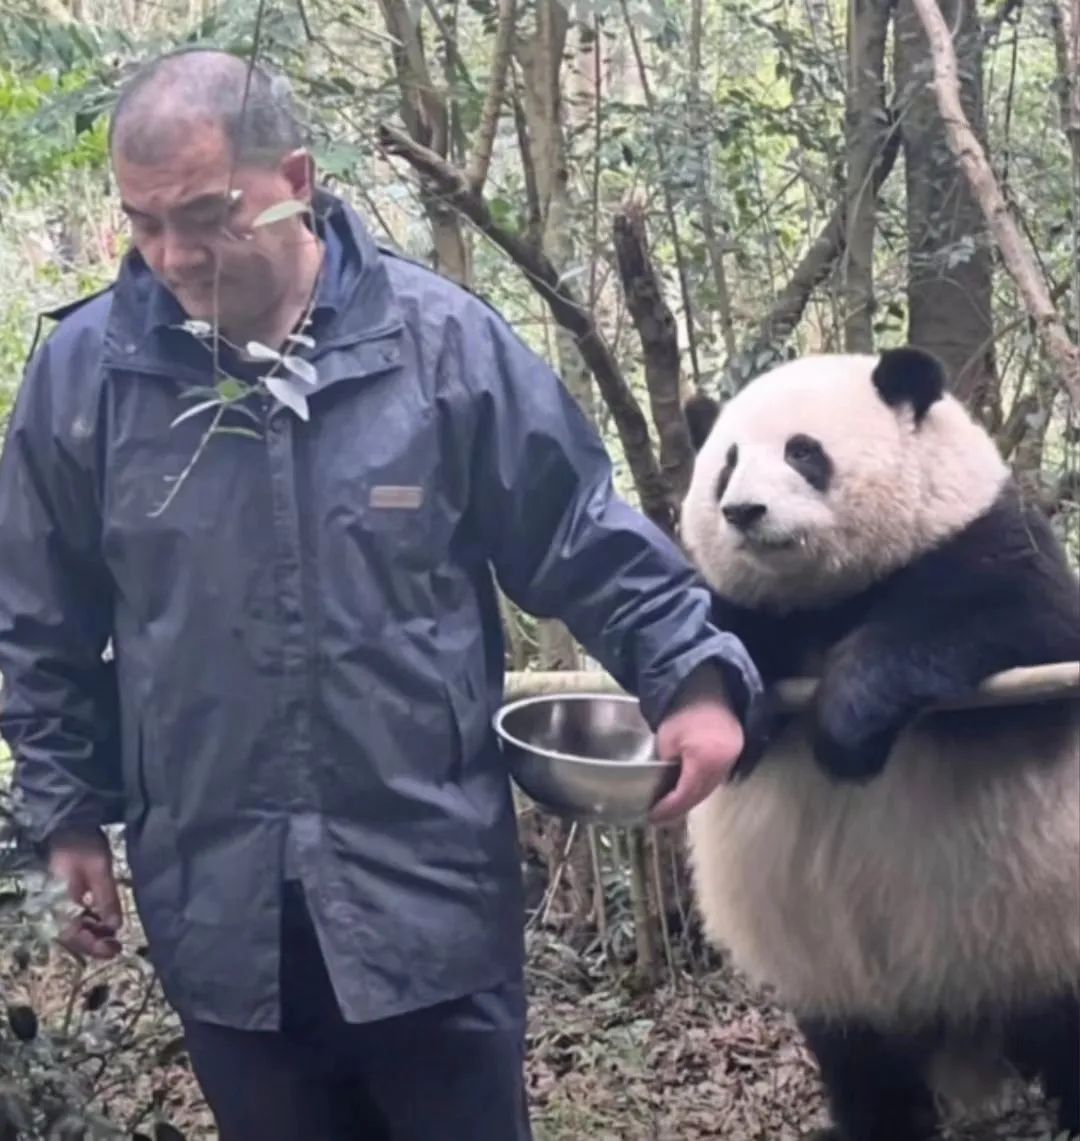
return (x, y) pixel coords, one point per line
(1059, 681)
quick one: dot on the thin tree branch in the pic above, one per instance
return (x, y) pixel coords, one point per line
(489, 117)
(1017, 255)
(680, 263)
(816, 265)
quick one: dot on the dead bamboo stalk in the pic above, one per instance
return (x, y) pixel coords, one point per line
(1059, 681)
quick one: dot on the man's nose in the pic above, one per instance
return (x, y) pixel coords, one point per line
(181, 257)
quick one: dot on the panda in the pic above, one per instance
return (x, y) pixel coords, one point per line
(905, 880)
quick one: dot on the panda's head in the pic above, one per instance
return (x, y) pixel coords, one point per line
(829, 472)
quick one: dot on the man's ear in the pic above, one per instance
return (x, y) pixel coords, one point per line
(298, 169)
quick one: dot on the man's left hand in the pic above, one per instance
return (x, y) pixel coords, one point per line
(704, 734)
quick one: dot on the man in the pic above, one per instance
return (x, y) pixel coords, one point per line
(294, 722)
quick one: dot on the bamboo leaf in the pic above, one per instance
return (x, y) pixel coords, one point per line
(195, 410)
(279, 211)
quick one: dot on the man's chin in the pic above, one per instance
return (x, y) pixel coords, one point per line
(197, 301)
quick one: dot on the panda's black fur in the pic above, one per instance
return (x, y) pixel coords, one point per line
(1026, 614)
(996, 595)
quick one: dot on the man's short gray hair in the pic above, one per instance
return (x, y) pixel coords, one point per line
(253, 106)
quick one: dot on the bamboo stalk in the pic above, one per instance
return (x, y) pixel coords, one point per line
(1059, 681)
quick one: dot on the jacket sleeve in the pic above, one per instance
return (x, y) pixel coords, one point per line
(58, 706)
(563, 544)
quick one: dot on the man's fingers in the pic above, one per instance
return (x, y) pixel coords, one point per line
(681, 797)
(103, 892)
(89, 937)
(86, 867)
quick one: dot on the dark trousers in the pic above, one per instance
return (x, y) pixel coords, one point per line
(453, 1072)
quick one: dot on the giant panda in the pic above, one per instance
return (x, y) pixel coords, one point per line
(905, 881)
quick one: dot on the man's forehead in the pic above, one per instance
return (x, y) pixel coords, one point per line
(181, 151)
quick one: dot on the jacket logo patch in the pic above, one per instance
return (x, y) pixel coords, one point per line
(387, 495)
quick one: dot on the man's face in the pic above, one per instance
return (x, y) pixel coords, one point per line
(191, 216)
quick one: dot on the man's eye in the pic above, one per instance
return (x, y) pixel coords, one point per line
(145, 225)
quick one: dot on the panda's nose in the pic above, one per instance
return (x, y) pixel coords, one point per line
(743, 515)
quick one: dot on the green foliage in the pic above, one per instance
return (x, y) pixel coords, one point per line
(39, 138)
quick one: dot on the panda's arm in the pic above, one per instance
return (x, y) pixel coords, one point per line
(998, 596)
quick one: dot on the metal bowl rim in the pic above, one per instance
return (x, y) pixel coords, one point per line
(555, 754)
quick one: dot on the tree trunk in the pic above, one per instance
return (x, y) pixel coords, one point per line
(424, 113)
(658, 332)
(866, 124)
(969, 153)
(1065, 20)
(949, 250)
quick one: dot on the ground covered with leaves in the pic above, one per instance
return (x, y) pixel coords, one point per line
(700, 1057)
(706, 1058)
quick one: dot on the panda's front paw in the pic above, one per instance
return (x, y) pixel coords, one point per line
(852, 760)
(850, 746)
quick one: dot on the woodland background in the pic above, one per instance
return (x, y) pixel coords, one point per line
(661, 195)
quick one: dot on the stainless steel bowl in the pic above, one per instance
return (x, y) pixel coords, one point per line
(585, 756)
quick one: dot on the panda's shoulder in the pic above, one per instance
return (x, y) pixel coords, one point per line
(1012, 539)
(1006, 566)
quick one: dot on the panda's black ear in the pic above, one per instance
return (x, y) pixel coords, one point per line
(701, 412)
(910, 376)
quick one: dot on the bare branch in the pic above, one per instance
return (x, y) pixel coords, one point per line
(493, 101)
(453, 188)
(1015, 251)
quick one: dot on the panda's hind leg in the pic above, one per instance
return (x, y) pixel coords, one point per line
(1044, 1043)
(874, 1083)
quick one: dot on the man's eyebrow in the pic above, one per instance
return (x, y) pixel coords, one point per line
(212, 200)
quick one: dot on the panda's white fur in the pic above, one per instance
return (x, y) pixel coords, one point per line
(946, 885)
(889, 500)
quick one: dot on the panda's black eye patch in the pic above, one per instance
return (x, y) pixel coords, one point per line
(810, 460)
(730, 460)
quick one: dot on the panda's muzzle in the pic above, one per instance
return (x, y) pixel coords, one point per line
(743, 516)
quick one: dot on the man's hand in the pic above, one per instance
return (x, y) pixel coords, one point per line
(83, 861)
(704, 734)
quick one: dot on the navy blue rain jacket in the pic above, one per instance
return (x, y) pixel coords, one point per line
(306, 644)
